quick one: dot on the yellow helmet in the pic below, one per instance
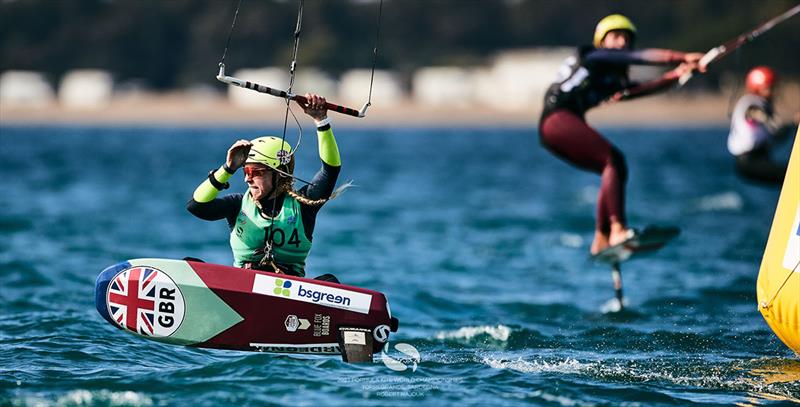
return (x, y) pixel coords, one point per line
(273, 152)
(610, 23)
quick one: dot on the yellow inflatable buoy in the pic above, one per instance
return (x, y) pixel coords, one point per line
(778, 286)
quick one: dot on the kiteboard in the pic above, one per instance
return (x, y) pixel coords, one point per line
(206, 305)
(648, 240)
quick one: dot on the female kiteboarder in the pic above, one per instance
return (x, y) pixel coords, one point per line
(271, 223)
(593, 75)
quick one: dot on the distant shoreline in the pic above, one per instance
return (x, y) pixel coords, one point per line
(699, 110)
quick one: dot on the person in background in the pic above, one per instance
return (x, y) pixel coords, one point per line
(592, 76)
(754, 129)
(271, 224)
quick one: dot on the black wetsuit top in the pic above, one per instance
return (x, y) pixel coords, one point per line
(228, 206)
(592, 75)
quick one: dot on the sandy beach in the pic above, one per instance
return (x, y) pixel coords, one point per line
(180, 110)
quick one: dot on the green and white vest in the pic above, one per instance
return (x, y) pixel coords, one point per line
(290, 246)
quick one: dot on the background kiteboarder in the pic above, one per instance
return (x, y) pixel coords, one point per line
(754, 129)
(587, 79)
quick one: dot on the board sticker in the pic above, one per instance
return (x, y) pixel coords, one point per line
(355, 338)
(381, 333)
(319, 349)
(292, 323)
(322, 325)
(312, 293)
(146, 301)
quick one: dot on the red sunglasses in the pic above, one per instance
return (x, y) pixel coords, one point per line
(255, 171)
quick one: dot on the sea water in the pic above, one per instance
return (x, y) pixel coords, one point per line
(479, 238)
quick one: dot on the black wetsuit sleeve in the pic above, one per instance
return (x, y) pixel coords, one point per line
(226, 208)
(323, 183)
(602, 56)
(321, 187)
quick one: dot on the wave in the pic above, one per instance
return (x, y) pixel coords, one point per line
(590, 338)
(775, 379)
(89, 398)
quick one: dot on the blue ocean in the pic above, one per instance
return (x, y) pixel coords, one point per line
(479, 238)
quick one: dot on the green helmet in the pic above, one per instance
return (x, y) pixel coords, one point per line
(273, 152)
(611, 23)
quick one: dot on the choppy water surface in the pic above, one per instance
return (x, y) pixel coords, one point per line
(478, 237)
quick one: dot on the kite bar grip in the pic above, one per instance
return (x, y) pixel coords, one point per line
(709, 57)
(336, 108)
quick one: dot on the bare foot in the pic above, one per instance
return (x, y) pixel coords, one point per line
(619, 233)
(599, 243)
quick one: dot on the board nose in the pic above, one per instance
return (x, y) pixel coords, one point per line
(101, 288)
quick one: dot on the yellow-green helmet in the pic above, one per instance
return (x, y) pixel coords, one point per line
(273, 152)
(610, 23)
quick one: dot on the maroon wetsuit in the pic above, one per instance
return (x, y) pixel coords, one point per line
(586, 80)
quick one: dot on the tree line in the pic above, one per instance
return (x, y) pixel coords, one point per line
(175, 43)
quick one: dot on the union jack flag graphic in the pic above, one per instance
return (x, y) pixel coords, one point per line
(132, 299)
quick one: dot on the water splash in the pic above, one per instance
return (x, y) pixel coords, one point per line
(568, 366)
(499, 332)
(613, 305)
(730, 201)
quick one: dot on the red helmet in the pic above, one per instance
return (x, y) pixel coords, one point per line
(760, 77)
